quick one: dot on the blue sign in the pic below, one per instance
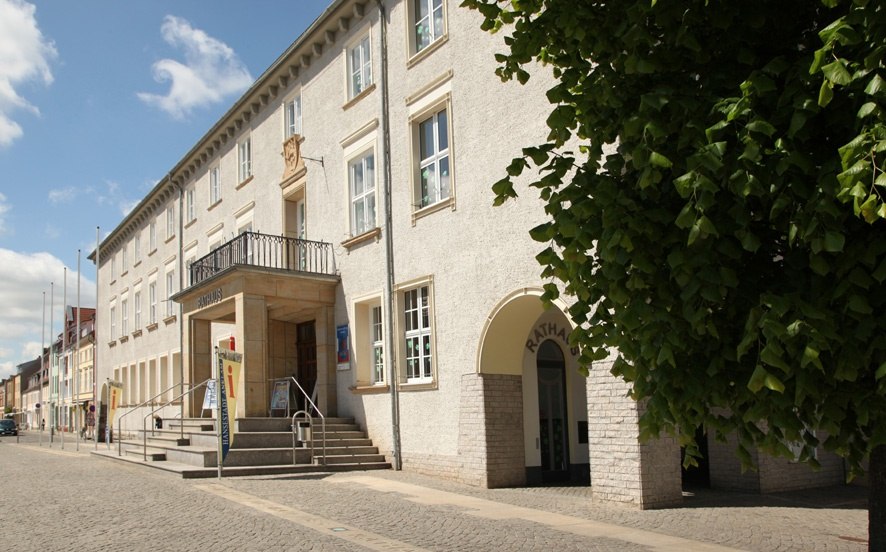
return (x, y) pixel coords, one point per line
(223, 418)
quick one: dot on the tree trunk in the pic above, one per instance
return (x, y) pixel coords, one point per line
(877, 500)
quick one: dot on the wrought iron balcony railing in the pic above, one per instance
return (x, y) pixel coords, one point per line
(265, 251)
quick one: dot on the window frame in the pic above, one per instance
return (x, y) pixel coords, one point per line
(370, 222)
(424, 379)
(152, 302)
(190, 210)
(152, 235)
(377, 344)
(438, 156)
(170, 291)
(170, 222)
(214, 185)
(416, 45)
(137, 301)
(293, 119)
(244, 159)
(359, 79)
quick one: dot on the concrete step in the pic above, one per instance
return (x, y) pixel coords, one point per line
(285, 424)
(353, 458)
(151, 454)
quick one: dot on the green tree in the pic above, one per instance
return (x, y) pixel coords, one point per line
(714, 183)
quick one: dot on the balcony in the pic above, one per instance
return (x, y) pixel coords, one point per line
(251, 249)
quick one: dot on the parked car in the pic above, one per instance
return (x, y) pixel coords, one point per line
(8, 427)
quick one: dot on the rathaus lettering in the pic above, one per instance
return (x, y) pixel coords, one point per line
(214, 296)
(547, 330)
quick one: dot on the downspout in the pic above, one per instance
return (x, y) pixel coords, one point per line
(393, 374)
(181, 320)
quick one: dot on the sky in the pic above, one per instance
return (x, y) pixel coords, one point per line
(98, 100)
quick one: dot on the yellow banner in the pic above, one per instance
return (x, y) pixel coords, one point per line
(231, 363)
(115, 392)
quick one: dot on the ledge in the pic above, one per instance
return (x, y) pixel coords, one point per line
(211, 207)
(112, 343)
(170, 319)
(364, 237)
(169, 239)
(136, 333)
(245, 182)
(151, 327)
(124, 338)
(433, 208)
(356, 99)
(428, 386)
(364, 389)
(191, 222)
(432, 47)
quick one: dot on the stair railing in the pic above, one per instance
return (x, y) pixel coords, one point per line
(151, 413)
(308, 401)
(147, 402)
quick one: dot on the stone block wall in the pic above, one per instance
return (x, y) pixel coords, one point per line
(623, 470)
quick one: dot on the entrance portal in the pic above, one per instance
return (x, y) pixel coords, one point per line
(306, 354)
(553, 421)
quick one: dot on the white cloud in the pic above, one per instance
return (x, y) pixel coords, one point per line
(63, 195)
(7, 369)
(211, 71)
(23, 279)
(24, 56)
(4, 208)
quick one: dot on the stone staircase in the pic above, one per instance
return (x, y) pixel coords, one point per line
(261, 446)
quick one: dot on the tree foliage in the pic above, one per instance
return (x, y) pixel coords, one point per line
(714, 180)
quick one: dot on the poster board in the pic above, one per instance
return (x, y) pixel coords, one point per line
(343, 350)
(280, 396)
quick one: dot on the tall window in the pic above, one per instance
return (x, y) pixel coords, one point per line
(137, 298)
(124, 260)
(416, 312)
(361, 176)
(433, 138)
(245, 157)
(292, 114)
(170, 290)
(137, 247)
(124, 317)
(428, 22)
(152, 303)
(189, 204)
(113, 268)
(113, 322)
(170, 221)
(359, 67)
(378, 346)
(214, 186)
(152, 235)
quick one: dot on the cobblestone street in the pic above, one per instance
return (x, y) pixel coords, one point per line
(68, 500)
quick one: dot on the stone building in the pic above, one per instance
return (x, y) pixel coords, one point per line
(336, 226)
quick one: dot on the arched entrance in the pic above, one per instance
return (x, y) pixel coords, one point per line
(552, 418)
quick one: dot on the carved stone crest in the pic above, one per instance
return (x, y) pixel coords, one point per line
(292, 156)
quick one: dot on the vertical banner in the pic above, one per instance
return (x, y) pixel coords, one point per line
(115, 391)
(229, 364)
(343, 352)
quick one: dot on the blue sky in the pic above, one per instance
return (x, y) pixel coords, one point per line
(98, 99)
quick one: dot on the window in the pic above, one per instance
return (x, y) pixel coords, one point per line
(245, 157)
(359, 67)
(113, 268)
(361, 176)
(428, 16)
(246, 249)
(124, 316)
(189, 204)
(292, 116)
(417, 325)
(170, 222)
(433, 146)
(214, 186)
(152, 235)
(152, 303)
(170, 290)
(376, 334)
(124, 260)
(137, 298)
(113, 322)
(137, 248)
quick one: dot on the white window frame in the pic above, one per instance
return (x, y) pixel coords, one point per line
(214, 185)
(189, 205)
(366, 195)
(244, 159)
(417, 316)
(137, 299)
(124, 317)
(170, 291)
(113, 267)
(152, 302)
(137, 247)
(377, 344)
(359, 65)
(438, 160)
(292, 116)
(423, 25)
(170, 222)
(124, 259)
(152, 236)
(113, 318)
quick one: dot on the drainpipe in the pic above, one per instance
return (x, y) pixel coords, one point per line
(181, 321)
(393, 374)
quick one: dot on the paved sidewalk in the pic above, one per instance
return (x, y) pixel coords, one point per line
(64, 499)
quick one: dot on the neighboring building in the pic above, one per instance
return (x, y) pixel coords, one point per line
(275, 234)
(29, 372)
(75, 377)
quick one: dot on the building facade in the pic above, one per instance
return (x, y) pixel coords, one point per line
(336, 226)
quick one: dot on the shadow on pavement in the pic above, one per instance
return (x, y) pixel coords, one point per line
(841, 497)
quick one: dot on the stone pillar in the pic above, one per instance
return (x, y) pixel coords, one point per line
(199, 358)
(490, 440)
(326, 362)
(644, 475)
(251, 340)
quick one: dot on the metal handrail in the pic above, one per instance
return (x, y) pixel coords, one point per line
(120, 419)
(317, 410)
(151, 413)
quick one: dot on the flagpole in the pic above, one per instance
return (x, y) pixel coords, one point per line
(42, 370)
(64, 357)
(76, 382)
(218, 409)
(96, 400)
(51, 346)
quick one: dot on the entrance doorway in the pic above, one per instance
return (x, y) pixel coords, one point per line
(553, 421)
(306, 356)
